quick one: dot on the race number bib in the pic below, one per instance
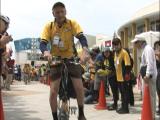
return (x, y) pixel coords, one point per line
(117, 62)
(61, 44)
(56, 40)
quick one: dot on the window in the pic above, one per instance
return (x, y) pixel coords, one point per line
(153, 26)
(31, 56)
(158, 25)
(140, 28)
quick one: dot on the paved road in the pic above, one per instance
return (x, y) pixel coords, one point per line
(30, 102)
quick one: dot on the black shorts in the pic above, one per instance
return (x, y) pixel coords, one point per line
(74, 71)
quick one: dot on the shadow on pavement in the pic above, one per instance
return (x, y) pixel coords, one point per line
(14, 109)
(135, 111)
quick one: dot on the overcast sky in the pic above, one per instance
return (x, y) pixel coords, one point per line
(95, 16)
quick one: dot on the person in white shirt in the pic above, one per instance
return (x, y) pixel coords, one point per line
(148, 62)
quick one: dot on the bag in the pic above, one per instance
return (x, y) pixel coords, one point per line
(130, 74)
(133, 78)
(131, 59)
(143, 71)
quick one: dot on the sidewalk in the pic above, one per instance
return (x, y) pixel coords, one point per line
(30, 102)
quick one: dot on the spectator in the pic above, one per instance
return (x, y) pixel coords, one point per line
(148, 69)
(26, 73)
(32, 74)
(16, 72)
(105, 70)
(95, 51)
(10, 65)
(19, 73)
(157, 53)
(38, 74)
(4, 39)
(89, 77)
(4, 74)
(122, 71)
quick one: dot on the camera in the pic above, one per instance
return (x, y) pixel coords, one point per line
(8, 35)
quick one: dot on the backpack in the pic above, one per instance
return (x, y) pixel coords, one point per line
(132, 75)
(131, 59)
(123, 64)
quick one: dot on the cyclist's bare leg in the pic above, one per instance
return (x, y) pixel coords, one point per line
(78, 86)
(54, 87)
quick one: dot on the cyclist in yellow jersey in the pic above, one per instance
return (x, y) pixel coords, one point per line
(60, 33)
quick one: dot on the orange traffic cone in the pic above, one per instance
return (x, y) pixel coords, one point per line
(102, 99)
(146, 108)
(1, 108)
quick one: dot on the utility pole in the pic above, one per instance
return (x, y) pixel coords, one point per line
(33, 50)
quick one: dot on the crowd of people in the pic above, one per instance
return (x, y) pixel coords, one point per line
(8, 70)
(27, 74)
(113, 65)
(115, 68)
(34, 73)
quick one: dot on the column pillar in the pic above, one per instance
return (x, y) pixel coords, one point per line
(126, 37)
(122, 38)
(134, 49)
(147, 25)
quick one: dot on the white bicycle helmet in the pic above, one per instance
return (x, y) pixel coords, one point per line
(5, 19)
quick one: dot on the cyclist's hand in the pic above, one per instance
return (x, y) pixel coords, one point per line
(48, 55)
(85, 55)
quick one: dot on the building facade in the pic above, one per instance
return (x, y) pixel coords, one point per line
(27, 49)
(91, 42)
(146, 19)
(103, 41)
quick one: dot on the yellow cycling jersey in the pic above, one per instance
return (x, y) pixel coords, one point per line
(61, 38)
(123, 55)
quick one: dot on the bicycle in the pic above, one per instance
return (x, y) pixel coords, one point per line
(66, 90)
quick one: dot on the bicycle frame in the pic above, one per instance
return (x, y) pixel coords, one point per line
(64, 95)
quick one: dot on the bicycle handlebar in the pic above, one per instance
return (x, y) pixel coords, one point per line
(58, 60)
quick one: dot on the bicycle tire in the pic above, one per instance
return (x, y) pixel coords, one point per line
(62, 115)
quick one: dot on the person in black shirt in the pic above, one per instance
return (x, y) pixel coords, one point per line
(157, 53)
(105, 70)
